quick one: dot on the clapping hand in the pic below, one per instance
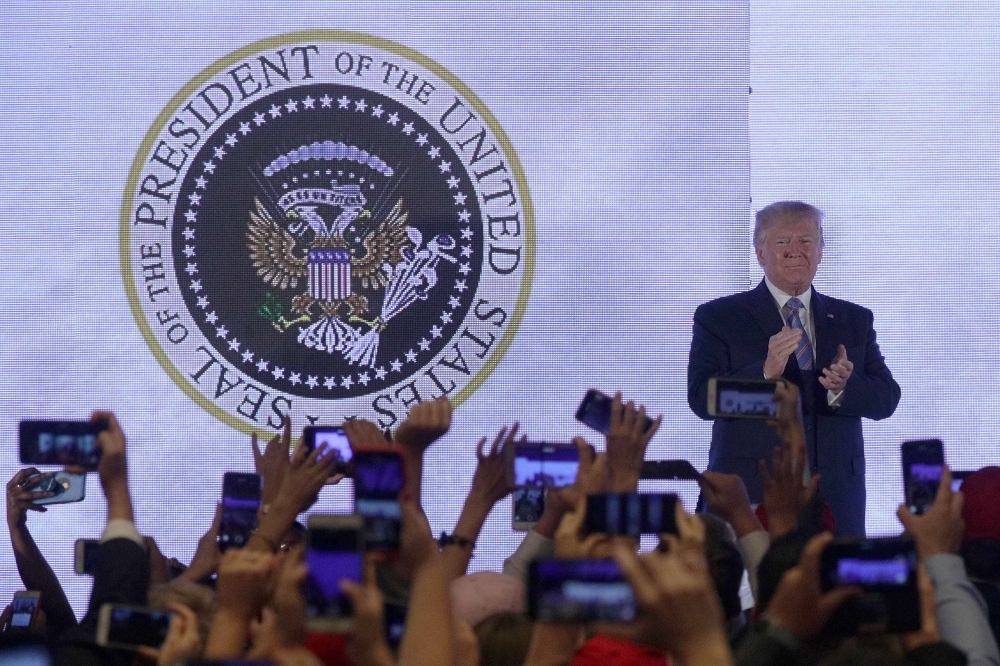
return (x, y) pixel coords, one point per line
(780, 346)
(834, 378)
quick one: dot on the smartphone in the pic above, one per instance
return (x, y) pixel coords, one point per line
(579, 591)
(631, 514)
(957, 477)
(595, 412)
(334, 551)
(240, 501)
(24, 608)
(395, 623)
(544, 464)
(923, 464)
(529, 503)
(378, 480)
(130, 627)
(333, 441)
(86, 553)
(28, 654)
(67, 487)
(60, 442)
(886, 569)
(733, 398)
(669, 469)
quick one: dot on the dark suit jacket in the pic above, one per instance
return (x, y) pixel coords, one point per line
(730, 339)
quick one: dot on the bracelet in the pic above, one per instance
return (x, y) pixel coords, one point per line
(455, 540)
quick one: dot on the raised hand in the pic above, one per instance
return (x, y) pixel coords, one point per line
(799, 604)
(19, 500)
(426, 422)
(306, 475)
(780, 346)
(571, 544)
(627, 441)
(940, 529)
(243, 581)
(490, 482)
(207, 554)
(784, 493)
(834, 378)
(726, 496)
(288, 603)
(273, 462)
(366, 644)
(113, 468)
(183, 641)
(361, 433)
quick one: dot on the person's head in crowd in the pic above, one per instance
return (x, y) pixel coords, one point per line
(981, 513)
(725, 563)
(198, 598)
(503, 638)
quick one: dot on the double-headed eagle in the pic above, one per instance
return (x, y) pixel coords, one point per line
(325, 263)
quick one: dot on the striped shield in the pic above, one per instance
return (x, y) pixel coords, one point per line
(330, 274)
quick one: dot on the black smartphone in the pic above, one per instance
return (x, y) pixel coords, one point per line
(543, 464)
(595, 412)
(732, 398)
(131, 627)
(395, 623)
(378, 480)
(60, 442)
(631, 514)
(66, 487)
(240, 501)
(923, 464)
(579, 591)
(86, 552)
(886, 569)
(334, 551)
(669, 469)
(332, 441)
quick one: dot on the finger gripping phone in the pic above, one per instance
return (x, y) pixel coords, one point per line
(240, 500)
(131, 627)
(886, 569)
(332, 440)
(595, 412)
(334, 551)
(60, 442)
(631, 514)
(23, 608)
(732, 398)
(67, 487)
(579, 591)
(378, 480)
(923, 464)
(544, 464)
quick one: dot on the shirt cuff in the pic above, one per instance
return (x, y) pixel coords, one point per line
(121, 528)
(834, 399)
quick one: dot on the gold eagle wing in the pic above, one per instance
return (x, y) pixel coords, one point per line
(272, 250)
(384, 244)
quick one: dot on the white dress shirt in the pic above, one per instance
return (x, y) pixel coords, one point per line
(806, 315)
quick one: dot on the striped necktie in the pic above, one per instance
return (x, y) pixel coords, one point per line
(804, 352)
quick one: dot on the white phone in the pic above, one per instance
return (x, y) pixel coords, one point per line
(85, 559)
(24, 608)
(130, 627)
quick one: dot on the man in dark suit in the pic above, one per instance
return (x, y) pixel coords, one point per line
(826, 346)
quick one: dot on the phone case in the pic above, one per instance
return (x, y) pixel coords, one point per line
(69, 488)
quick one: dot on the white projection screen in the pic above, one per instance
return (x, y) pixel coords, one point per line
(577, 177)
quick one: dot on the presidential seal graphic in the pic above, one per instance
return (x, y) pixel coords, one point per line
(326, 225)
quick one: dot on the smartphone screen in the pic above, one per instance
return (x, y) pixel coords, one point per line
(595, 412)
(886, 569)
(67, 487)
(60, 442)
(240, 501)
(87, 552)
(742, 398)
(332, 441)
(333, 552)
(129, 627)
(631, 514)
(923, 464)
(579, 591)
(529, 503)
(957, 477)
(395, 623)
(378, 480)
(23, 608)
(539, 465)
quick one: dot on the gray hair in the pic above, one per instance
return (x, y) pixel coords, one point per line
(785, 211)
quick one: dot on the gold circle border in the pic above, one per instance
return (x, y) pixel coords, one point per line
(321, 36)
